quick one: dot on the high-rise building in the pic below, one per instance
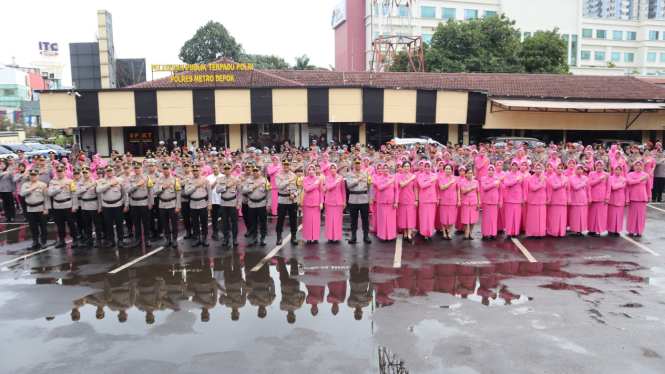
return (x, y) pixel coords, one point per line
(624, 9)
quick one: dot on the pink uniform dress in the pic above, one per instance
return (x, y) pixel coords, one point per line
(501, 219)
(375, 216)
(536, 208)
(406, 210)
(648, 168)
(491, 198)
(311, 214)
(579, 202)
(386, 195)
(558, 195)
(638, 196)
(427, 198)
(512, 201)
(273, 170)
(598, 192)
(325, 165)
(335, 199)
(469, 206)
(482, 163)
(447, 199)
(617, 194)
(616, 159)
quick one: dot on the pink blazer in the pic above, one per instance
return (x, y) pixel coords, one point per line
(427, 192)
(514, 193)
(598, 187)
(537, 190)
(492, 193)
(449, 195)
(335, 192)
(617, 193)
(406, 194)
(557, 192)
(313, 192)
(470, 198)
(579, 191)
(385, 192)
(638, 190)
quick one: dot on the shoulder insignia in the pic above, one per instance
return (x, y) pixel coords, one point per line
(177, 185)
(150, 184)
(299, 181)
(268, 186)
(72, 186)
(369, 179)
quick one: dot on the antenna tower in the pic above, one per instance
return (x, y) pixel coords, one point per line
(399, 30)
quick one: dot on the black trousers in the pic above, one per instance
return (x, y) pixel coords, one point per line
(259, 218)
(186, 216)
(80, 225)
(129, 219)
(282, 209)
(21, 200)
(141, 218)
(215, 214)
(113, 216)
(91, 217)
(170, 221)
(200, 221)
(156, 215)
(37, 221)
(364, 216)
(62, 217)
(245, 216)
(229, 220)
(8, 202)
(658, 187)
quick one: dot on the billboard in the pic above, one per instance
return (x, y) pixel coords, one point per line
(339, 14)
(48, 49)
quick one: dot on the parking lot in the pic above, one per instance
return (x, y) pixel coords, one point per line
(586, 305)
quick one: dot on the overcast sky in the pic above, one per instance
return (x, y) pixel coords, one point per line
(156, 30)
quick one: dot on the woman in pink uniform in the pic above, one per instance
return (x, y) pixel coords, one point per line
(492, 199)
(513, 199)
(273, 170)
(468, 200)
(481, 164)
(536, 200)
(372, 208)
(427, 198)
(638, 196)
(598, 185)
(335, 203)
(447, 200)
(649, 167)
(501, 219)
(325, 164)
(312, 204)
(408, 201)
(386, 204)
(579, 201)
(524, 169)
(557, 203)
(617, 199)
(439, 174)
(616, 159)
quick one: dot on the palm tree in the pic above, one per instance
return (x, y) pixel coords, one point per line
(302, 63)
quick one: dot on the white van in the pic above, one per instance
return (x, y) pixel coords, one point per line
(409, 142)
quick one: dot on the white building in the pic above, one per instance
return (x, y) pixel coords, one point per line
(634, 46)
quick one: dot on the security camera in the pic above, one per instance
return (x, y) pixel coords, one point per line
(69, 93)
(77, 94)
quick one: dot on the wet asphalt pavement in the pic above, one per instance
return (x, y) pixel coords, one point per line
(586, 305)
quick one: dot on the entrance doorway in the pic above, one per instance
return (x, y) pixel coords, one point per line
(139, 140)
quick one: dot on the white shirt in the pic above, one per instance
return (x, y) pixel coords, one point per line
(216, 197)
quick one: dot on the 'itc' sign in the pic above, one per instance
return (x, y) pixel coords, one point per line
(48, 49)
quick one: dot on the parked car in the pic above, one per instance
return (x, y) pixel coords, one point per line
(41, 148)
(27, 151)
(59, 150)
(611, 142)
(409, 142)
(4, 153)
(515, 139)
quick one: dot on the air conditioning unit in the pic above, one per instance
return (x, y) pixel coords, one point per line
(45, 74)
(51, 75)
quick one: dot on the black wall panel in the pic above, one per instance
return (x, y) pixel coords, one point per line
(87, 110)
(372, 104)
(145, 103)
(204, 107)
(317, 105)
(426, 107)
(477, 108)
(261, 102)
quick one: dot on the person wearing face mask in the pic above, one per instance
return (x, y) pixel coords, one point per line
(638, 196)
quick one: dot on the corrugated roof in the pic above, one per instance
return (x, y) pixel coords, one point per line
(519, 85)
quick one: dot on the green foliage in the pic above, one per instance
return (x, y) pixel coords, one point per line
(265, 62)
(544, 53)
(63, 140)
(210, 43)
(302, 63)
(401, 61)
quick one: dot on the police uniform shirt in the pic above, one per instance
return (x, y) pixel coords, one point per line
(243, 179)
(21, 179)
(112, 196)
(258, 197)
(199, 197)
(286, 188)
(46, 176)
(140, 195)
(86, 195)
(228, 194)
(359, 184)
(62, 192)
(169, 197)
(38, 199)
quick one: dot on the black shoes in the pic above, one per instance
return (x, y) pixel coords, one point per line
(167, 243)
(279, 238)
(61, 243)
(214, 236)
(129, 234)
(121, 244)
(111, 244)
(138, 243)
(188, 235)
(353, 238)
(204, 242)
(8, 220)
(248, 233)
(294, 238)
(366, 238)
(235, 240)
(254, 241)
(74, 243)
(42, 244)
(88, 242)
(196, 242)
(174, 242)
(98, 243)
(35, 244)
(263, 240)
(147, 243)
(225, 242)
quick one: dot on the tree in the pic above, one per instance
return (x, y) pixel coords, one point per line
(265, 62)
(401, 61)
(487, 45)
(302, 63)
(544, 53)
(210, 43)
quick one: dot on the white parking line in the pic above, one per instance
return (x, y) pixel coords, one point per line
(398, 252)
(524, 250)
(651, 206)
(640, 245)
(31, 254)
(274, 251)
(18, 228)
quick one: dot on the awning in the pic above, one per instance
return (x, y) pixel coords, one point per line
(573, 106)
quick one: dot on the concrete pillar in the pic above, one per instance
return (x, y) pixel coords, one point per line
(362, 134)
(646, 136)
(564, 137)
(396, 134)
(453, 133)
(192, 135)
(465, 134)
(235, 140)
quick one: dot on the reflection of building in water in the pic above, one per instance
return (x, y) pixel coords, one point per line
(389, 363)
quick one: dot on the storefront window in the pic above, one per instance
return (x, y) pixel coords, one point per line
(139, 140)
(269, 135)
(348, 133)
(216, 135)
(379, 133)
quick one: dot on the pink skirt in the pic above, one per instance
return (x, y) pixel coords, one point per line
(636, 217)
(437, 219)
(406, 216)
(386, 227)
(273, 202)
(458, 220)
(557, 220)
(579, 218)
(501, 220)
(311, 222)
(598, 217)
(469, 214)
(536, 219)
(426, 215)
(490, 220)
(615, 218)
(334, 222)
(448, 214)
(523, 223)
(513, 217)
(374, 216)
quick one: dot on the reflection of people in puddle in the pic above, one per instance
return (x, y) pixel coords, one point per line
(98, 299)
(336, 295)
(122, 293)
(150, 292)
(175, 288)
(487, 281)
(315, 295)
(260, 287)
(233, 296)
(361, 290)
(292, 296)
(202, 286)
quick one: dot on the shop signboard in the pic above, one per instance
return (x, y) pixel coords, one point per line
(339, 14)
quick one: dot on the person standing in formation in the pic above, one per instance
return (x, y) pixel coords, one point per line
(289, 187)
(90, 204)
(361, 197)
(228, 187)
(168, 190)
(258, 192)
(312, 206)
(200, 203)
(61, 190)
(335, 203)
(38, 204)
